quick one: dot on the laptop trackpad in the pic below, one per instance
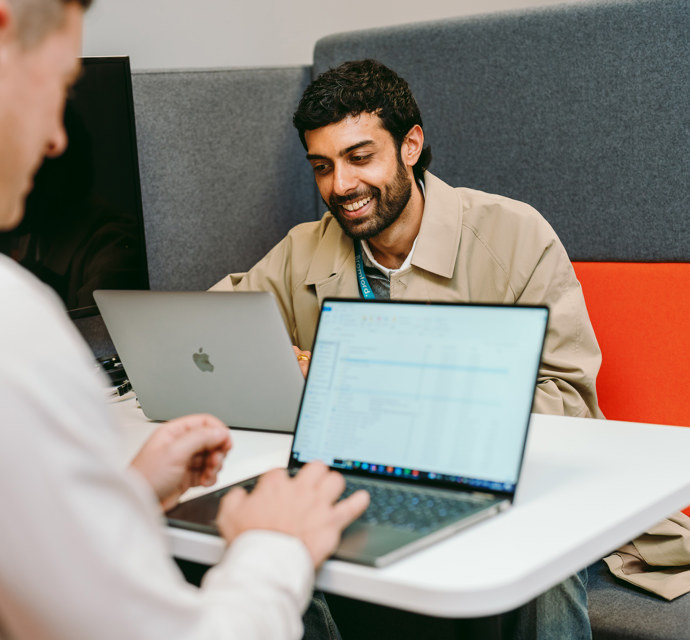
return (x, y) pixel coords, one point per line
(368, 544)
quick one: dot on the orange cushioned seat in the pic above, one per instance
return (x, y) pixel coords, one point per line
(641, 316)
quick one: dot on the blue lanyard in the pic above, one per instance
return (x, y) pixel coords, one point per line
(364, 286)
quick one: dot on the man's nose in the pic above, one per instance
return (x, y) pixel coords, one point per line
(57, 142)
(344, 180)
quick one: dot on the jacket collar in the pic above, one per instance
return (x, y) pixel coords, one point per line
(437, 244)
(333, 254)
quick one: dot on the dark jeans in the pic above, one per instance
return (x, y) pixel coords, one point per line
(558, 614)
(318, 621)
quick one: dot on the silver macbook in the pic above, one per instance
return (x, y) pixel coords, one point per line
(225, 353)
(425, 405)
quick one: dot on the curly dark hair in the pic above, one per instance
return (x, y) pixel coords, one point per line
(361, 86)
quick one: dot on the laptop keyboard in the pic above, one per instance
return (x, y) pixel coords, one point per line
(412, 508)
(403, 507)
(406, 508)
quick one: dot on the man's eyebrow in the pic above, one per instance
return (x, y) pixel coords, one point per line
(344, 152)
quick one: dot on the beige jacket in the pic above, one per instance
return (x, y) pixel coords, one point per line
(472, 247)
(659, 560)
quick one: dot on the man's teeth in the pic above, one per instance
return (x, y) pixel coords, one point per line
(355, 206)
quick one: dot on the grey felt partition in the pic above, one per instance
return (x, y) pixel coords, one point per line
(223, 174)
(580, 110)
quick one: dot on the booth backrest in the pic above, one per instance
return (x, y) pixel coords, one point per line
(223, 175)
(580, 110)
(223, 171)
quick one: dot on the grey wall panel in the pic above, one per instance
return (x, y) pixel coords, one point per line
(222, 169)
(580, 110)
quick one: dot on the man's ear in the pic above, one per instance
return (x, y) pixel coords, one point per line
(6, 28)
(412, 146)
(6, 16)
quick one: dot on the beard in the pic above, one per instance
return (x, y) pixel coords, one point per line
(388, 202)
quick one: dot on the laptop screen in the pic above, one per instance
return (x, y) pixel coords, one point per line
(424, 391)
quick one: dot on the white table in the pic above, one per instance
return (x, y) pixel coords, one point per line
(587, 486)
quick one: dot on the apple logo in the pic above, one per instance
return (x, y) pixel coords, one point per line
(201, 360)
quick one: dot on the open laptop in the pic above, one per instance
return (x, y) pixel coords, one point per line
(225, 353)
(405, 398)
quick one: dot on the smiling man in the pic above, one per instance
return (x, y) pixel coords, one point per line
(395, 231)
(361, 173)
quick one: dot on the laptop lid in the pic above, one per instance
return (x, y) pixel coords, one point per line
(433, 393)
(225, 353)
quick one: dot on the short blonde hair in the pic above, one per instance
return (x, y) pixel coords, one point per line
(36, 18)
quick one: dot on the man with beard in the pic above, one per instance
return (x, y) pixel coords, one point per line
(395, 231)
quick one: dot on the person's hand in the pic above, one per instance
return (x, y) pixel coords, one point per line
(303, 359)
(183, 453)
(304, 507)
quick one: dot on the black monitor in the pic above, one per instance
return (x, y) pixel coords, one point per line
(83, 228)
